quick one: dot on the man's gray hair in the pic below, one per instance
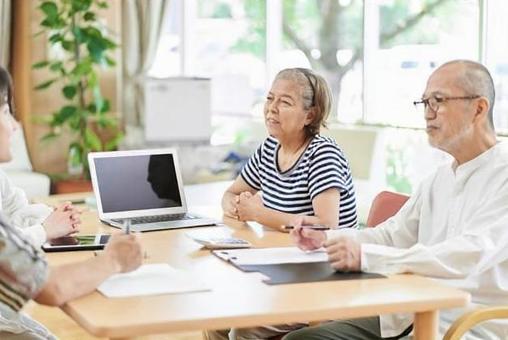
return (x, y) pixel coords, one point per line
(476, 80)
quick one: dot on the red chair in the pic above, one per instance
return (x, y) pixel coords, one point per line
(385, 205)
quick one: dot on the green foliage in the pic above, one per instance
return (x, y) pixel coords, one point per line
(71, 25)
(329, 26)
(396, 170)
(254, 41)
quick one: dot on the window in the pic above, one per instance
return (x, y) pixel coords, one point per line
(376, 55)
(497, 60)
(327, 37)
(407, 40)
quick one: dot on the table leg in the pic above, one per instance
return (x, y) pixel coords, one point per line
(426, 325)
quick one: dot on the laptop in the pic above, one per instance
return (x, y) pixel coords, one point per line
(144, 186)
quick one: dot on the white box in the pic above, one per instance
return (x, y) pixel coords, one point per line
(177, 109)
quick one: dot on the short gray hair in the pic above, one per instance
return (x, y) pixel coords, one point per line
(476, 80)
(315, 94)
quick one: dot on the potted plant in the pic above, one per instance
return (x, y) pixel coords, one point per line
(72, 28)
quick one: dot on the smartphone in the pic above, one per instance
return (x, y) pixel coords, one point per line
(79, 242)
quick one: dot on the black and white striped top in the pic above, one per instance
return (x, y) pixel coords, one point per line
(321, 166)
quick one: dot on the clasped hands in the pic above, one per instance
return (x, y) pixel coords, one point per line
(63, 221)
(344, 252)
(245, 207)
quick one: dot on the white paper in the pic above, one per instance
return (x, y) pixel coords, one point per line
(257, 256)
(151, 279)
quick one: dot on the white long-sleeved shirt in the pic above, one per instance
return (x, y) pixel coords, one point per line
(16, 209)
(453, 229)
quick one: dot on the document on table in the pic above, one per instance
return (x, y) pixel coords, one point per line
(151, 279)
(279, 255)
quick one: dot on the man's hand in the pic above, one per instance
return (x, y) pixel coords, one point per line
(125, 251)
(305, 238)
(344, 254)
(249, 206)
(64, 220)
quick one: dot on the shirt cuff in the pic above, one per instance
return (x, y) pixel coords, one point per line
(379, 259)
(335, 233)
(37, 234)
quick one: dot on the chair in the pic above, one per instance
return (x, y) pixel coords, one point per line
(472, 318)
(385, 205)
(20, 170)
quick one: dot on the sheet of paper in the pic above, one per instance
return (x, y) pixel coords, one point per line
(257, 256)
(151, 279)
(210, 233)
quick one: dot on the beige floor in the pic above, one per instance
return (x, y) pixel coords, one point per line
(66, 329)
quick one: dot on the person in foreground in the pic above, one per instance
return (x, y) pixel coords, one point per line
(452, 229)
(295, 171)
(25, 275)
(37, 221)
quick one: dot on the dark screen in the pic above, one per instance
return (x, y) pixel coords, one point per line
(137, 182)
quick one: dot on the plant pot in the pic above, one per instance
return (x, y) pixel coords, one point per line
(72, 185)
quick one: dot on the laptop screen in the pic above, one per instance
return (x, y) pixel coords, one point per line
(137, 182)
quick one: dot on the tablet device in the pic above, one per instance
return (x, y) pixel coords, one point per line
(79, 242)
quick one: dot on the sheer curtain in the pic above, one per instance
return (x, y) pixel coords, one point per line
(142, 23)
(5, 32)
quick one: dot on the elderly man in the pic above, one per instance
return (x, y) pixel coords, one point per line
(454, 228)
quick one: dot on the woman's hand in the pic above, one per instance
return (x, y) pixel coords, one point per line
(249, 206)
(125, 251)
(230, 206)
(64, 220)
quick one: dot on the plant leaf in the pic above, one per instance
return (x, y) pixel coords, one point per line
(45, 84)
(89, 16)
(49, 8)
(69, 91)
(56, 66)
(49, 136)
(92, 140)
(113, 143)
(63, 115)
(40, 64)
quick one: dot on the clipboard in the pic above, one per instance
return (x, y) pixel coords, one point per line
(287, 273)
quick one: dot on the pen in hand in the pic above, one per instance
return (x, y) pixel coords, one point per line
(307, 226)
(127, 225)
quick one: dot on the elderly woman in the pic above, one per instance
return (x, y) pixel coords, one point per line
(24, 273)
(297, 171)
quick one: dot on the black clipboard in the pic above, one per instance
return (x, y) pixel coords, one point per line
(286, 273)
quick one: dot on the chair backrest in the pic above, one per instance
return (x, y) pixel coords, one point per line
(20, 158)
(385, 205)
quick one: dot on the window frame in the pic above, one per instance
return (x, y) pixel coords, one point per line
(274, 17)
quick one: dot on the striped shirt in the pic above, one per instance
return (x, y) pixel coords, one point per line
(321, 166)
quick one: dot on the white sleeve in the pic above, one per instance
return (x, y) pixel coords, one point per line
(482, 245)
(20, 213)
(399, 231)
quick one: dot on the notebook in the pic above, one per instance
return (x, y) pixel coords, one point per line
(144, 186)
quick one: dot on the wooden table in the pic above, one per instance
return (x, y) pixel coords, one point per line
(239, 299)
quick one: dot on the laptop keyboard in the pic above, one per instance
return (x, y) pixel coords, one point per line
(158, 218)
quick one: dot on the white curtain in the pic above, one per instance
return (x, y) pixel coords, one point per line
(5, 32)
(142, 23)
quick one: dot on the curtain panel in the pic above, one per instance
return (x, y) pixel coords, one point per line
(142, 23)
(5, 32)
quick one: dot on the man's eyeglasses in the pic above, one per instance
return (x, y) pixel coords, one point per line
(433, 102)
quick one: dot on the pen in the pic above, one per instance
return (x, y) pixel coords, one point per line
(308, 226)
(127, 225)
